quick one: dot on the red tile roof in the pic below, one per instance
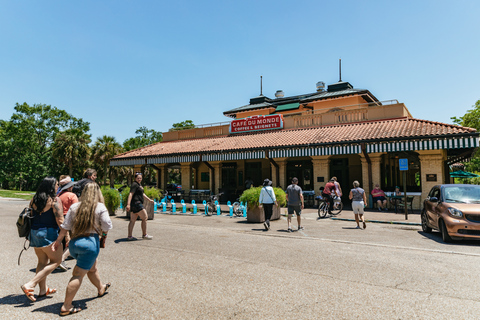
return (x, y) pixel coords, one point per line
(371, 131)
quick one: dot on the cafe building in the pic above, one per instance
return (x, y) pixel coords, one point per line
(337, 130)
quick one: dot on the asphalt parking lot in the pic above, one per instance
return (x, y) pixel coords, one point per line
(218, 267)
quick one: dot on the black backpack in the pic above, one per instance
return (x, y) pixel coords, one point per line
(79, 185)
(24, 226)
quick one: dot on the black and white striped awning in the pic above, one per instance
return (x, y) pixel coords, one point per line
(452, 143)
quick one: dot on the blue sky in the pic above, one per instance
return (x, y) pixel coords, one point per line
(121, 64)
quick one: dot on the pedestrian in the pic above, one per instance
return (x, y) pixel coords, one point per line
(135, 205)
(90, 175)
(379, 197)
(68, 198)
(295, 204)
(359, 202)
(338, 191)
(267, 200)
(47, 217)
(86, 219)
(329, 192)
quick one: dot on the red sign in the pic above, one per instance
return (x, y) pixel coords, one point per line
(257, 123)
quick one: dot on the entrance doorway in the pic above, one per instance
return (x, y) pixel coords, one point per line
(339, 169)
(229, 183)
(303, 170)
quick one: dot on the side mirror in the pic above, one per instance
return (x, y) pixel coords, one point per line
(433, 199)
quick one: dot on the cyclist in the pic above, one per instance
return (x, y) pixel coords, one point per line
(328, 193)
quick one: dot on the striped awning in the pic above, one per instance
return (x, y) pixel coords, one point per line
(308, 151)
(427, 144)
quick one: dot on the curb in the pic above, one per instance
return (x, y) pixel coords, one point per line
(380, 221)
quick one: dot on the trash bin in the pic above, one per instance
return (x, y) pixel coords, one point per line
(149, 207)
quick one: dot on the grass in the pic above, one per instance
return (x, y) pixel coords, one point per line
(26, 195)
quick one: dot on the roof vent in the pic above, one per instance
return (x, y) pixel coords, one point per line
(279, 94)
(320, 86)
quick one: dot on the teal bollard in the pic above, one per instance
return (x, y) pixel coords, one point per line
(184, 206)
(155, 208)
(174, 206)
(245, 210)
(205, 206)
(164, 207)
(219, 210)
(194, 205)
(121, 202)
(230, 208)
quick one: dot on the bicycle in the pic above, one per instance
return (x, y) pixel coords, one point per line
(238, 208)
(212, 204)
(323, 207)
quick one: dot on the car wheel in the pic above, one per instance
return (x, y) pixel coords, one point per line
(425, 226)
(443, 230)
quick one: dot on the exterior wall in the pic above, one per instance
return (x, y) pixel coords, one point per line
(186, 174)
(321, 169)
(431, 162)
(203, 185)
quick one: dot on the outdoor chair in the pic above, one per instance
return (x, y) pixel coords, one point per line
(401, 205)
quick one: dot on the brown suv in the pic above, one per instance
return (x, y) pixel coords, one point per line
(454, 210)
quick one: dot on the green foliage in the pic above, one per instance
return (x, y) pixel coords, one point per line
(71, 150)
(26, 141)
(152, 193)
(103, 150)
(471, 119)
(187, 124)
(124, 196)
(144, 138)
(112, 199)
(252, 195)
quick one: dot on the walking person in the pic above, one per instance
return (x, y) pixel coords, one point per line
(359, 202)
(47, 217)
(86, 219)
(295, 203)
(267, 200)
(68, 198)
(135, 205)
(89, 176)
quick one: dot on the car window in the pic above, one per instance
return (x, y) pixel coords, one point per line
(436, 193)
(462, 194)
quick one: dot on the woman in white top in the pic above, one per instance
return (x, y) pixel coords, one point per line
(267, 199)
(86, 219)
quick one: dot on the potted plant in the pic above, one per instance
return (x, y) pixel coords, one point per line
(112, 199)
(254, 212)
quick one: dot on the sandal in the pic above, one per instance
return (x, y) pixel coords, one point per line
(106, 288)
(69, 312)
(49, 292)
(29, 293)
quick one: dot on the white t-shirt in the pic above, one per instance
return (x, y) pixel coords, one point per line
(102, 218)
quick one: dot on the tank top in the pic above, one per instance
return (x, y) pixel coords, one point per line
(44, 220)
(357, 194)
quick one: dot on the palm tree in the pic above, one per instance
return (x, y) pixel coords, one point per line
(103, 150)
(71, 148)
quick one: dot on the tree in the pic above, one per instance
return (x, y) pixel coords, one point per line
(187, 124)
(144, 138)
(471, 119)
(103, 150)
(26, 140)
(71, 149)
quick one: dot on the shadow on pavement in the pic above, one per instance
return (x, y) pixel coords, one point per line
(437, 237)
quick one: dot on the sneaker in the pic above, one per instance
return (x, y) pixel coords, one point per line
(386, 209)
(62, 266)
(301, 228)
(265, 224)
(379, 209)
(358, 227)
(131, 239)
(147, 237)
(290, 230)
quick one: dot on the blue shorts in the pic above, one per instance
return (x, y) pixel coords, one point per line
(43, 237)
(381, 198)
(85, 250)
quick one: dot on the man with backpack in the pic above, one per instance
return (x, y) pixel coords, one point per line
(89, 176)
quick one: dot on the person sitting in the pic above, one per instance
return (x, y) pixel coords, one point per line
(379, 197)
(394, 201)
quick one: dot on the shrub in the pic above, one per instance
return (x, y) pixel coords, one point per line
(252, 195)
(112, 199)
(152, 193)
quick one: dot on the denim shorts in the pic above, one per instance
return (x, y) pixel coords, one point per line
(43, 237)
(137, 207)
(85, 250)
